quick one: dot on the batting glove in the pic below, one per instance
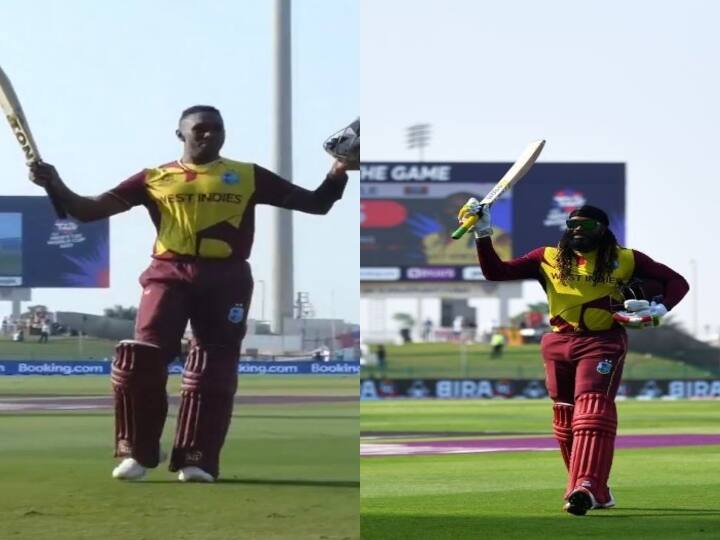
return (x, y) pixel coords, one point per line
(472, 207)
(638, 314)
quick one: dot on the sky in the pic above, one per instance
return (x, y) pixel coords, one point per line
(103, 84)
(612, 81)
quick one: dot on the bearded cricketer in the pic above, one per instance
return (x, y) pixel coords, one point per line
(583, 277)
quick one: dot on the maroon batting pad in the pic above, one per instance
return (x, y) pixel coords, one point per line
(562, 428)
(139, 376)
(208, 388)
(594, 426)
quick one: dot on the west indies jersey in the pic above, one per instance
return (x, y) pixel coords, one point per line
(208, 210)
(580, 305)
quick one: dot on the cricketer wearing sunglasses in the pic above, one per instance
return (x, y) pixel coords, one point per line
(584, 354)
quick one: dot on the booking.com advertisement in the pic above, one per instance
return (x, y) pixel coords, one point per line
(103, 367)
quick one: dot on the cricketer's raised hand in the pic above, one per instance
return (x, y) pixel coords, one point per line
(43, 174)
(339, 168)
(472, 208)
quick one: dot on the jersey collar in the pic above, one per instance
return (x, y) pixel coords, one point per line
(205, 167)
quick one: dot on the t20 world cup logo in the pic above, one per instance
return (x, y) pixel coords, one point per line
(564, 202)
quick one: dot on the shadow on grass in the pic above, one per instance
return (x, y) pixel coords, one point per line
(291, 482)
(656, 512)
(424, 434)
(670, 524)
(106, 411)
(271, 482)
(299, 417)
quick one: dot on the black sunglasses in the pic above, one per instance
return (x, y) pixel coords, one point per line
(583, 224)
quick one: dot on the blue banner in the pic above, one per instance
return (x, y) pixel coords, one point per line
(409, 210)
(101, 367)
(39, 250)
(543, 200)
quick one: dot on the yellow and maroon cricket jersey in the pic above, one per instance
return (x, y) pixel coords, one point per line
(208, 210)
(579, 302)
(580, 305)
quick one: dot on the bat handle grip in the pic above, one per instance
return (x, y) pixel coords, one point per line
(52, 195)
(465, 227)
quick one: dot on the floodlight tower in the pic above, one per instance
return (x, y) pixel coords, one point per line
(418, 136)
(282, 241)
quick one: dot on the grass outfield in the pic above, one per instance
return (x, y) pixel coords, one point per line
(59, 348)
(668, 493)
(521, 417)
(98, 385)
(438, 360)
(289, 471)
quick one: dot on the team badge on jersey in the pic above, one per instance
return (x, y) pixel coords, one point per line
(604, 366)
(236, 313)
(230, 178)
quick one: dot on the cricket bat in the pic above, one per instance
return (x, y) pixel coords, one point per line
(10, 105)
(511, 177)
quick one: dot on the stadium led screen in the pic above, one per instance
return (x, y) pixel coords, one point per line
(39, 250)
(409, 210)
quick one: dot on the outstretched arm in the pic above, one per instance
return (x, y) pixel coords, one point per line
(276, 191)
(81, 208)
(494, 269)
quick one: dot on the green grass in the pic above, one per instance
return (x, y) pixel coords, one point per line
(534, 417)
(59, 348)
(287, 471)
(11, 262)
(95, 385)
(437, 360)
(667, 493)
(660, 494)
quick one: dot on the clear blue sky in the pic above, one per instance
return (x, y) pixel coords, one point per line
(103, 83)
(617, 81)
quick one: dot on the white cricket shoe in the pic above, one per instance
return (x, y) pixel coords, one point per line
(609, 504)
(129, 469)
(194, 474)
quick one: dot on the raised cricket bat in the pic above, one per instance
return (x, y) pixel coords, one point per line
(515, 173)
(10, 105)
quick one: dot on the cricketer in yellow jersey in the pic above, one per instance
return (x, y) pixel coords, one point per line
(583, 277)
(203, 208)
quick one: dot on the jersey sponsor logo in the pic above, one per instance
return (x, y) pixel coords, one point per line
(586, 278)
(604, 366)
(230, 178)
(233, 198)
(220, 197)
(236, 313)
